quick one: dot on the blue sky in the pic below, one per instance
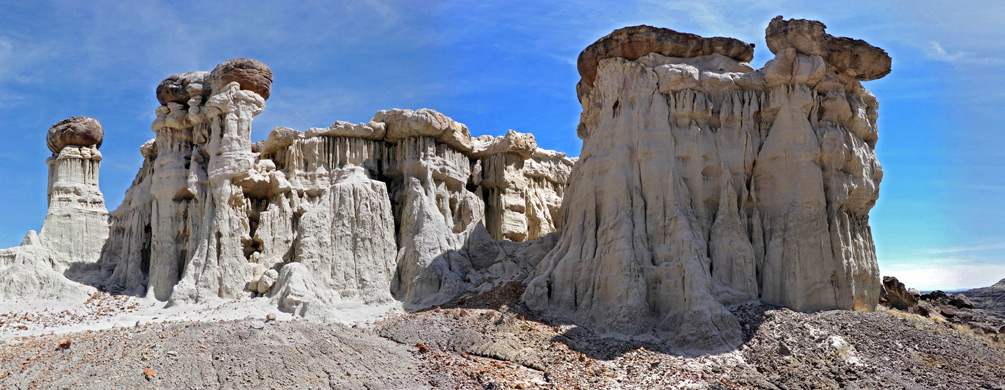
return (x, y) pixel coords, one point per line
(511, 65)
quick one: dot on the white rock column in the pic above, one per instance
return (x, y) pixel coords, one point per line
(170, 198)
(216, 268)
(76, 224)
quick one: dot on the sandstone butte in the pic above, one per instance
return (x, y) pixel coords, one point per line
(702, 183)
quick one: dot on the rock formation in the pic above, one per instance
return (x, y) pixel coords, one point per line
(991, 298)
(704, 182)
(850, 57)
(634, 42)
(77, 221)
(75, 227)
(366, 212)
(894, 294)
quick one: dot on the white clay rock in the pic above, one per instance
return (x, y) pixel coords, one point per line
(704, 183)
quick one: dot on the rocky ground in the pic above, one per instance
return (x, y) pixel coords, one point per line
(991, 299)
(234, 354)
(99, 306)
(491, 342)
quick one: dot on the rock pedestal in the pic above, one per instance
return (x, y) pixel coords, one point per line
(76, 224)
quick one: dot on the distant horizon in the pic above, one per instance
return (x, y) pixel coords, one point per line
(503, 65)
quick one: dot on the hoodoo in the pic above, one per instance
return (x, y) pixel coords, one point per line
(406, 206)
(704, 182)
(76, 224)
(77, 221)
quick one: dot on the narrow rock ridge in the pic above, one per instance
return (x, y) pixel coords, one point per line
(406, 206)
(703, 183)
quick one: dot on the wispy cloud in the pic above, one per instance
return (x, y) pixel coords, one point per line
(970, 248)
(936, 52)
(20, 58)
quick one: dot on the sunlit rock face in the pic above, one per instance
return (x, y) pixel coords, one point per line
(76, 223)
(406, 206)
(703, 182)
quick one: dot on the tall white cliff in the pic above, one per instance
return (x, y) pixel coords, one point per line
(704, 182)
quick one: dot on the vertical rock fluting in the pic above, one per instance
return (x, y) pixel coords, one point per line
(704, 183)
(216, 242)
(76, 224)
(126, 254)
(521, 184)
(181, 231)
(77, 221)
(361, 212)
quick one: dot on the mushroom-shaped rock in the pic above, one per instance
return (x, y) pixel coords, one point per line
(522, 144)
(250, 73)
(180, 87)
(279, 138)
(853, 57)
(401, 124)
(632, 43)
(75, 130)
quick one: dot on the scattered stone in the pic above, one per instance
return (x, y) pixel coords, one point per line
(936, 295)
(783, 349)
(267, 280)
(961, 301)
(149, 373)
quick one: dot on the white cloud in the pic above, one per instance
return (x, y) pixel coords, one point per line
(937, 52)
(970, 248)
(947, 274)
